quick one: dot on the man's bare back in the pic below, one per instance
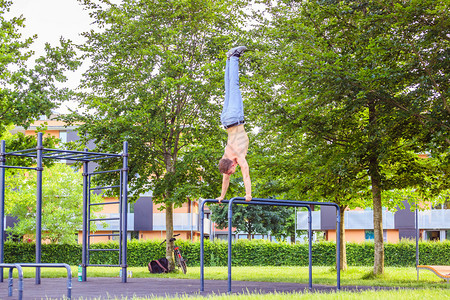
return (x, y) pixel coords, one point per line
(237, 144)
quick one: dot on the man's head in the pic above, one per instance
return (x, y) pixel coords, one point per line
(227, 166)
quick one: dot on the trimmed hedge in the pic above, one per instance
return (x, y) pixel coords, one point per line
(245, 253)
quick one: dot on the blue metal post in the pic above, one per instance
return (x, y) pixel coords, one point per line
(417, 240)
(230, 232)
(338, 245)
(309, 245)
(124, 211)
(39, 169)
(85, 221)
(2, 206)
(202, 245)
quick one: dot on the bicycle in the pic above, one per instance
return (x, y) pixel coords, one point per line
(180, 261)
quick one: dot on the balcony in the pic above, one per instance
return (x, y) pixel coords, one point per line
(434, 219)
(352, 219)
(437, 219)
(113, 225)
(181, 222)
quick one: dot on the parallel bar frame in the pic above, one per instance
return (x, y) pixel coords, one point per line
(272, 202)
(41, 153)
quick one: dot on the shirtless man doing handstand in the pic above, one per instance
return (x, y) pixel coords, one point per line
(232, 119)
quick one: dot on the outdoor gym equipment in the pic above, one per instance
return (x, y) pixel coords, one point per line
(40, 265)
(39, 153)
(272, 202)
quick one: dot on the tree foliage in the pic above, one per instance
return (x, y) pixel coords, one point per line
(252, 219)
(156, 81)
(62, 201)
(361, 87)
(28, 92)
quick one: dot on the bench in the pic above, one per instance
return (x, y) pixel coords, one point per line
(441, 271)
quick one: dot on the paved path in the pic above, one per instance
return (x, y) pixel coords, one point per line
(107, 288)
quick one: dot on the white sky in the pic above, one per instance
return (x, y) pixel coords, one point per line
(51, 19)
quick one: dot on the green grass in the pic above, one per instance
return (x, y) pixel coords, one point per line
(428, 287)
(366, 295)
(359, 276)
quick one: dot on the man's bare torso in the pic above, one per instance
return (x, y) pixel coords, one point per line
(237, 144)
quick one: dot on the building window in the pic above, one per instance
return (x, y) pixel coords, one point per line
(445, 205)
(447, 234)
(433, 235)
(131, 235)
(369, 235)
(223, 237)
(242, 236)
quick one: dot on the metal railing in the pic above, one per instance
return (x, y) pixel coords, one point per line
(19, 266)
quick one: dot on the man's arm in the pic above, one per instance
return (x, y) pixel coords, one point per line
(246, 177)
(225, 184)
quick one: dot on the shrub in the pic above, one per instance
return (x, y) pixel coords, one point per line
(245, 253)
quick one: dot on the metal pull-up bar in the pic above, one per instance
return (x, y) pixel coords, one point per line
(272, 202)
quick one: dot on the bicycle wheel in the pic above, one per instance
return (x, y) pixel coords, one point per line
(180, 261)
(183, 265)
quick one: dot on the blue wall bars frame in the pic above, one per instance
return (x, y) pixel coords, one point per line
(40, 153)
(273, 202)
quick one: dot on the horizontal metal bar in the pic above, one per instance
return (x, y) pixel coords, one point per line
(105, 219)
(21, 151)
(72, 157)
(22, 155)
(100, 158)
(104, 187)
(103, 265)
(15, 167)
(104, 203)
(98, 250)
(83, 152)
(102, 172)
(105, 234)
(45, 265)
(64, 154)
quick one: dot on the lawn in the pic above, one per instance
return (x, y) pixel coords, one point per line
(359, 276)
(366, 295)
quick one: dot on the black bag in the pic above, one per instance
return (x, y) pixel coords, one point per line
(159, 266)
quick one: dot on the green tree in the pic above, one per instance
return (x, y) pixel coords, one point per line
(251, 219)
(335, 79)
(312, 170)
(62, 199)
(28, 92)
(155, 80)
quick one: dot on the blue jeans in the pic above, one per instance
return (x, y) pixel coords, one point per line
(233, 107)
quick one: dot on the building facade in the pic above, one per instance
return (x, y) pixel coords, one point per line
(434, 224)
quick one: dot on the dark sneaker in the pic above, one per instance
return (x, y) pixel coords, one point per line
(236, 51)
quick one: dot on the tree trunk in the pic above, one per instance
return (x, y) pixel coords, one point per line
(170, 168)
(375, 177)
(169, 235)
(343, 257)
(378, 266)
